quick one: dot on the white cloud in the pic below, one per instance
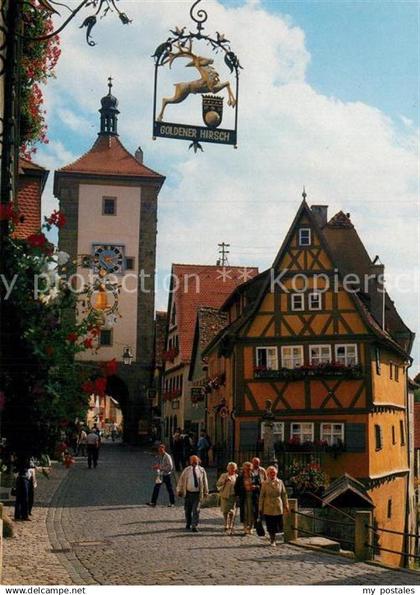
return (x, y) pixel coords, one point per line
(349, 155)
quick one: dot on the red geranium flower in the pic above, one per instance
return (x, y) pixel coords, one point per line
(57, 218)
(72, 337)
(88, 343)
(37, 240)
(8, 212)
(111, 367)
(100, 386)
(88, 387)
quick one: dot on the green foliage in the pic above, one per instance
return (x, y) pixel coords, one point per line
(43, 392)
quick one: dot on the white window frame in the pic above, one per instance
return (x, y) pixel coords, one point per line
(310, 300)
(332, 437)
(278, 431)
(300, 433)
(346, 356)
(274, 356)
(297, 308)
(321, 359)
(309, 232)
(294, 356)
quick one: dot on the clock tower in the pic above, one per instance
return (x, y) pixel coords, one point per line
(109, 198)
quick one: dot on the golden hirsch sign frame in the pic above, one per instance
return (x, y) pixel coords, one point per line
(180, 45)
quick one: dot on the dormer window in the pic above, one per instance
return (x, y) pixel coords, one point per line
(315, 302)
(298, 302)
(305, 236)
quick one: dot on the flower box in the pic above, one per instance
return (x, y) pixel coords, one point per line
(321, 370)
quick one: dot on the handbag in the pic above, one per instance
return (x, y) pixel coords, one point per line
(259, 528)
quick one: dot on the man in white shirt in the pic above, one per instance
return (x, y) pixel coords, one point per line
(163, 467)
(193, 486)
(92, 442)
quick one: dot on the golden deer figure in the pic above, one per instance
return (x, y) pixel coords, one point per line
(208, 83)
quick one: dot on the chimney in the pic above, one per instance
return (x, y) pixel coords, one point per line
(320, 212)
(139, 155)
(376, 290)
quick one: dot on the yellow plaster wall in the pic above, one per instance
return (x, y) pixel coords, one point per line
(386, 390)
(392, 457)
(396, 491)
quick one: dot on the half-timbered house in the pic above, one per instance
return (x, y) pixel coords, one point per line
(319, 337)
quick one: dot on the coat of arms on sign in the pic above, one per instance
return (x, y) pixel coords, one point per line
(210, 85)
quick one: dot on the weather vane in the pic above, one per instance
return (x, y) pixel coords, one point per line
(182, 44)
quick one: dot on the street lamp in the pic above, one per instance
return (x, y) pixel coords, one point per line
(127, 356)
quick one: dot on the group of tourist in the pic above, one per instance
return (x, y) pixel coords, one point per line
(185, 444)
(257, 492)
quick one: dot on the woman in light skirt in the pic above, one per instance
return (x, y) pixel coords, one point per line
(226, 486)
(273, 502)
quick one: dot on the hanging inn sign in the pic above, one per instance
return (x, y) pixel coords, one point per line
(217, 68)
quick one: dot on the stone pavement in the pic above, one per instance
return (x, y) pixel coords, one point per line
(27, 557)
(98, 530)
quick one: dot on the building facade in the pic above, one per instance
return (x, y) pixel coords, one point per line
(318, 337)
(192, 287)
(109, 198)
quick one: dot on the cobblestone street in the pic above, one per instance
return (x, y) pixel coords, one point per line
(98, 530)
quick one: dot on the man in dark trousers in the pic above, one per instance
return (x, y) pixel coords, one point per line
(92, 443)
(193, 486)
(178, 449)
(164, 468)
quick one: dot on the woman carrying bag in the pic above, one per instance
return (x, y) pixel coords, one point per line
(273, 502)
(226, 487)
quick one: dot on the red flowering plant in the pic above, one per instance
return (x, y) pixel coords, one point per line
(44, 302)
(309, 478)
(39, 59)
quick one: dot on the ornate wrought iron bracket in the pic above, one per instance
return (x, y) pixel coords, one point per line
(100, 9)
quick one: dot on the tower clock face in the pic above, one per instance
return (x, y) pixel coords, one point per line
(109, 258)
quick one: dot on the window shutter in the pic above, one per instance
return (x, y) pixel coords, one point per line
(248, 435)
(355, 437)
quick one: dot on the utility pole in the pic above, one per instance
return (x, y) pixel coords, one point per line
(223, 261)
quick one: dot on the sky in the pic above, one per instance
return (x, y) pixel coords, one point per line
(329, 100)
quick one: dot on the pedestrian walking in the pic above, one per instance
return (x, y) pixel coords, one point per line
(114, 431)
(164, 468)
(178, 449)
(203, 446)
(187, 448)
(23, 478)
(245, 494)
(81, 442)
(92, 444)
(258, 475)
(226, 486)
(193, 486)
(32, 486)
(273, 503)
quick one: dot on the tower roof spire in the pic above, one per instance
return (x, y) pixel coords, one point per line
(109, 113)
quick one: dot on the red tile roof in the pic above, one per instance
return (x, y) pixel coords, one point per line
(31, 181)
(198, 286)
(108, 156)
